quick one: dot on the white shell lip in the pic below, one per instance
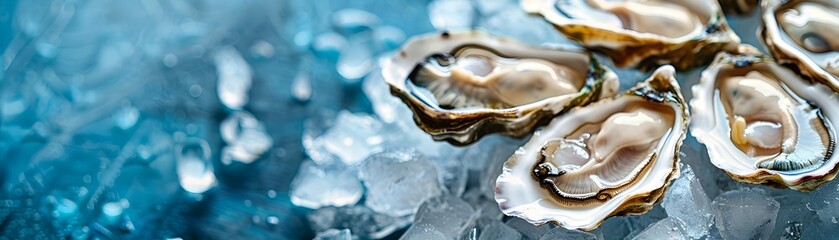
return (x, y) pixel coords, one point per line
(786, 51)
(515, 121)
(519, 195)
(714, 135)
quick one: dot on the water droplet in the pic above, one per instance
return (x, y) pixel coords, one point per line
(262, 49)
(195, 90)
(127, 116)
(170, 60)
(355, 62)
(272, 193)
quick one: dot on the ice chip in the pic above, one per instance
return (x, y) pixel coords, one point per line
(441, 217)
(334, 234)
(245, 136)
(686, 202)
(398, 181)
(316, 186)
(362, 221)
(745, 214)
(565, 234)
(234, 78)
(451, 14)
(668, 228)
(194, 169)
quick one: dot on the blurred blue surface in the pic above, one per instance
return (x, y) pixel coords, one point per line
(96, 94)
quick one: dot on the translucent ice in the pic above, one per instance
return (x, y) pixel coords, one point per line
(565, 234)
(686, 202)
(745, 214)
(452, 174)
(334, 234)
(126, 117)
(441, 217)
(451, 14)
(529, 231)
(316, 186)
(329, 45)
(362, 221)
(388, 37)
(356, 61)
(398, 181)
(498, 230)
(353, 20)
(509, 22)
(825, 202)
(245, 137)
(195, 171)
(301, 88)
(234, 78)
(668, 228)
(351, 138)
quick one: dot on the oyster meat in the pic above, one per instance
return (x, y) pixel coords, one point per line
(612, 157)
(684, 33)
(805, 34)
(762, 123)
(462, 85)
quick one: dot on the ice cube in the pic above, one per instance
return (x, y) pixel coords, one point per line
(351, 139)
(194, 169)
(686, 202)
(452, 174)
(565, 234)
(353, 20)
(441, 217)
(316, 186)
(485, 206)
(529, 231)
(451, 14)
(362, 221)
(668, 228)
(334, 234)
(234, 78)
(245, 136)
(398, 181)
(498, 230)
(745, 214)
(825, 202)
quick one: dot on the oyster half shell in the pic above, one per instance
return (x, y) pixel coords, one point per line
(463, 85)
(612, 157)
(762, 123)
(684, 33)
(804, 33)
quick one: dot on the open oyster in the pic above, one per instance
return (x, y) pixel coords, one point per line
(684, 33)
(762, 123)
(612, 157)
(462, 85)
(804, 33)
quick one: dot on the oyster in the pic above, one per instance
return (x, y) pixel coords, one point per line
(684, 33)
(613, 157)
(762, 123)
(804, 33)
(462, 85)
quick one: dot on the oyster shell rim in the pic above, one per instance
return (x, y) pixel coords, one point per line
(465, 126)
(806, 182)
(634, 203)
(772, 36)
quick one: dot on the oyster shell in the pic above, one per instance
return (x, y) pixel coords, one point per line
(804, 33)
(684, 33)
(762, 123)
(738, 6)
(462, 85)
(613, 157)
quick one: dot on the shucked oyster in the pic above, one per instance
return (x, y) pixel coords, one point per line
(613, 157)
(762, 123)
(804, 33)
(462, 85)
(684, 33)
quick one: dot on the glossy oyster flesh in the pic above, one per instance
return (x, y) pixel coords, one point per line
(762, 123)
(612, 157)
(684, 33)
(805, 34)
(463, 85)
